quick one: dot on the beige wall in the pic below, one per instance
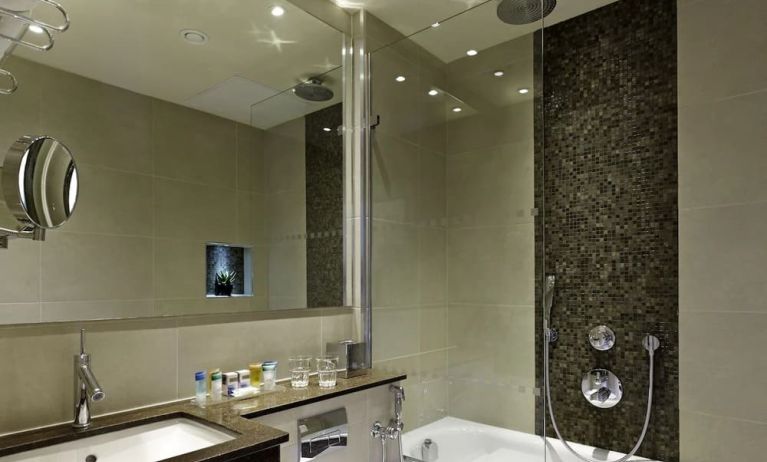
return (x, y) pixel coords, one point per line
(722, 229)
(409, 228)
(490, 241)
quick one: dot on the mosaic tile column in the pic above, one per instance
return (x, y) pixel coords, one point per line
(606, 180)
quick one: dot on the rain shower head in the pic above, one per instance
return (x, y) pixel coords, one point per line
(313, 90)
(519, 12)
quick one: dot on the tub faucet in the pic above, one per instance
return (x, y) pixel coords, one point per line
(87, 388)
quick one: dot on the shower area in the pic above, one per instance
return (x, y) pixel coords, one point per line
(525, 225)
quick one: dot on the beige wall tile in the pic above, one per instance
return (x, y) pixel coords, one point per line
(285, 157)
(432, 322)
(714, 348)
(721, 151)
(494, 343)
(287, 274)
(83, 267)
(395, 264)
(395, 332)
(193, 146)
(286, 213)
(102, 125)
(395, 179)
(432, 265)
(493, 404)
(710, 438)
(491, 265)
(30, 352)
(432, 200)
(335, 328)
(20, 111)
(511, 124)
(179, 268)
(113, 202)
(722, 258)
(19, 313)
(20, 272)
(491, 187)
(720, 40)
(146, 375)
(194, 211)
(250, 159)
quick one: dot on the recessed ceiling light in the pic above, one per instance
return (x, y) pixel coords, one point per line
(36, 29)
(457, 109)
(433, 92)
(523, 91)
(326, 129)
(278, 11)
(436, 24)
(471, 52)
(498, 73)
(195, 37)
(400, 78)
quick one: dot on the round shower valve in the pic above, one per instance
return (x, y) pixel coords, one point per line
(602, 338)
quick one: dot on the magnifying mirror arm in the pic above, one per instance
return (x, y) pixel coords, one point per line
(27, 232)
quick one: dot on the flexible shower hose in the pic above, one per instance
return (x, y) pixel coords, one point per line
(633, 451)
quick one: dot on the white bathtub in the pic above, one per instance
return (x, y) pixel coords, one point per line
(465, 441)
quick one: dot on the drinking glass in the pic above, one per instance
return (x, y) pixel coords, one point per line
(327, 370)
(300, 366)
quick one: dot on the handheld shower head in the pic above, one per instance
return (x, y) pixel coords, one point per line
(548, 294)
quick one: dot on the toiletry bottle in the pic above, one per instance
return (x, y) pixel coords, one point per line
(255, 374)
(269, 374)
(215, 386)
(200, 388)
(243, 375)
(231, 383)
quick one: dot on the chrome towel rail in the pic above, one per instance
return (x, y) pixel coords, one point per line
(8, 82)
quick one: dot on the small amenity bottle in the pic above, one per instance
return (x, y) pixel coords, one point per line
(200, 388)
(215, 386)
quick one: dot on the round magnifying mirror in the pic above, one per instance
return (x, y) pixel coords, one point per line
(40, 181)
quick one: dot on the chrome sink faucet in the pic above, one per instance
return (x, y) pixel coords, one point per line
(87, 388)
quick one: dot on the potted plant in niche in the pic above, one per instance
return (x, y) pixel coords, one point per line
(225, 283)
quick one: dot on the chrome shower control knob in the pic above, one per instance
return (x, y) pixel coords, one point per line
(602, 338)
(601, 388)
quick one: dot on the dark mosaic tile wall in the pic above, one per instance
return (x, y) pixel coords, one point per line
(224, 258)
(608, 191)
(324, 208)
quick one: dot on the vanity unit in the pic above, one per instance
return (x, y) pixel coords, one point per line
(232, 430)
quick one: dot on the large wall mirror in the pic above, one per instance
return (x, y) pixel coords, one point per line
(208, 142)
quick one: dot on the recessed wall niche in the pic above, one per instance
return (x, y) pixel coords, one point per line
(227, 258)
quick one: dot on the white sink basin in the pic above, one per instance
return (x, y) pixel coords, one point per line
(144, 443)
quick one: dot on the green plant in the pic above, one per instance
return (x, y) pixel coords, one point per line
(226, 278)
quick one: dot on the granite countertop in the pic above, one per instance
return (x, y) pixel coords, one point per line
(232, 415)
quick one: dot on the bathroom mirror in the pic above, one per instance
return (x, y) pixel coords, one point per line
(40, 182)
(187, 133)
